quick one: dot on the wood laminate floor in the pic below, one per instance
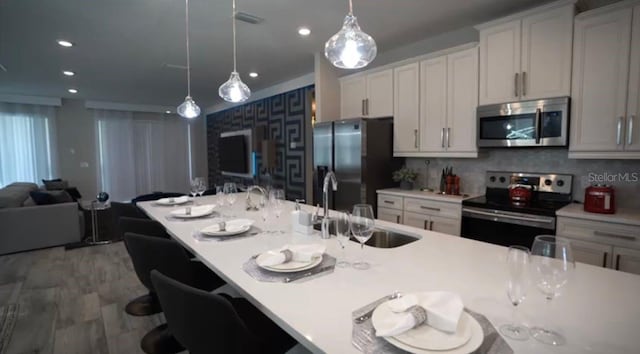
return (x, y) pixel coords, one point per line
(72, 301)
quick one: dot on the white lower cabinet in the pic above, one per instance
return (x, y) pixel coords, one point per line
(390, 215)
(422, 213)
(602, 244)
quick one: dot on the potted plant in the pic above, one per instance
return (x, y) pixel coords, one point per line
(406, 177)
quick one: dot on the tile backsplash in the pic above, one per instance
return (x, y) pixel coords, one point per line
(624, 175)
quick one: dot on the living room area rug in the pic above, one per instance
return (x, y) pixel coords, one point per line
(8, 316)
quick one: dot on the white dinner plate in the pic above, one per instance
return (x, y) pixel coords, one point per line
(196, 212)
(172, 201)
(426, 339)
(232, 227)
(290, 267)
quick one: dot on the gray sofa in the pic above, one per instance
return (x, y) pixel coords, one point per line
(25, 226)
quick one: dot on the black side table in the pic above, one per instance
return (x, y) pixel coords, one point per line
(100, 215)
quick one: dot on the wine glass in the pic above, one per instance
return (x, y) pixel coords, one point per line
(194, 187)
(362, 225)
(220, 196)
(230, 191)
(201, 186)
(276, 199)
(518, 262)
(342, 221)
(553, 262)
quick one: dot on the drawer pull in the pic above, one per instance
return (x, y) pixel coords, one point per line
(397, 219)
(425, 224)
(431, 225)
(389, 202)
(607, 234)
(618, 262)
(604, 260)
(429, 208)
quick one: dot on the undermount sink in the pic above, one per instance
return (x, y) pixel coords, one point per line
(388, 239)
(380, 238)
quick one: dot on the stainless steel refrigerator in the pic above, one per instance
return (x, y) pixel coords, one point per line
(360, 152)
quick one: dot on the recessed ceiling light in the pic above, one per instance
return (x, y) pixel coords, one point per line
(68, 73)
(253, 74)
(167, 112)
(304, 31)
(64, 43)
(72, 91)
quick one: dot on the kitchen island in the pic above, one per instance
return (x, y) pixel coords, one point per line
(598, 312)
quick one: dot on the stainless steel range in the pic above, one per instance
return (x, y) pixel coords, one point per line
(504, 217)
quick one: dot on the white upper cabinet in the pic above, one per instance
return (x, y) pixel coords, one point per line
(606, 84)
(406, 108)
(353, 92)
(528, 57)
(448, 101)
(367, 95)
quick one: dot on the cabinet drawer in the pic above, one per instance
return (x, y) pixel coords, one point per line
(429, 207)
(598, 231)
(389, 201)
(390, 215)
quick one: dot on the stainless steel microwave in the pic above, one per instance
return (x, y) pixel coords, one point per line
(524, 124)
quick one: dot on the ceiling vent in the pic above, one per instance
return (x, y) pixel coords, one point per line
(174, 66)
(248, 18)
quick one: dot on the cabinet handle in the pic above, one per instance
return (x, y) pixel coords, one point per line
(362, 109)
(431, 225)
(448, 137)
(630, 130)
(604, 260)
(442, 137)
(429, 208)
(619, 131)
(397, 219)
(366, 106)
(516, 85)
(524, 83)
(425, 224)
(607, 234)
(389, 202)
(618, 262)
(415, 138)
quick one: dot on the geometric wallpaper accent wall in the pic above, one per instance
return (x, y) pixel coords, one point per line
(285, 117)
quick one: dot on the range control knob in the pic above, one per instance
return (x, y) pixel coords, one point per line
(560, 183)
(547, 182)
(492, 179)
(502, 179)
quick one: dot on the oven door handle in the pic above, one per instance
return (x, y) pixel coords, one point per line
(538, 125)
(499, 216)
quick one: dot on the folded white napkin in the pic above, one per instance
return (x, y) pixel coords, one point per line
(175, 200)
(443, 312)
(295, 253)
(195, 211)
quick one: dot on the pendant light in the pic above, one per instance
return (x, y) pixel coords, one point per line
(350, 48)
(188, 109)
(234, 90)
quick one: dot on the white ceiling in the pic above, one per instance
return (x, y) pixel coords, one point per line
(122, 45)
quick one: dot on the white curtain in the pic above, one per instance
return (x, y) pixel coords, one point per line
(27, 143)
(142, 155)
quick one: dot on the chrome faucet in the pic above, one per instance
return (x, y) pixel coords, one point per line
(330, 176)
(250, 205)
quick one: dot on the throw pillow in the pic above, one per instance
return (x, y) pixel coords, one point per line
(50, 197)
(55, 184)
(74, 193)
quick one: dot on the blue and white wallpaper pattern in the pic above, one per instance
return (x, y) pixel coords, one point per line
(285, 117)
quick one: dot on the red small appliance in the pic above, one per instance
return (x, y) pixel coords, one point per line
(520, 194)
(600, 198)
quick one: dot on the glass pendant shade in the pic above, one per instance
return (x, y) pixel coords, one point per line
(188, 108)
(234, 90)
(350, 48)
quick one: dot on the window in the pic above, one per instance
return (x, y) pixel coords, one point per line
(142, 153)
(27, 143)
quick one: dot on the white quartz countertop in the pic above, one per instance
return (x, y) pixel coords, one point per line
(621, 216)
(414, 193)
(598, 312)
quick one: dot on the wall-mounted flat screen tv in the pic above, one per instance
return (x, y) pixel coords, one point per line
(233, 154)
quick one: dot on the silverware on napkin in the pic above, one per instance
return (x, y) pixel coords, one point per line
(308, 274)
(367, 315)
